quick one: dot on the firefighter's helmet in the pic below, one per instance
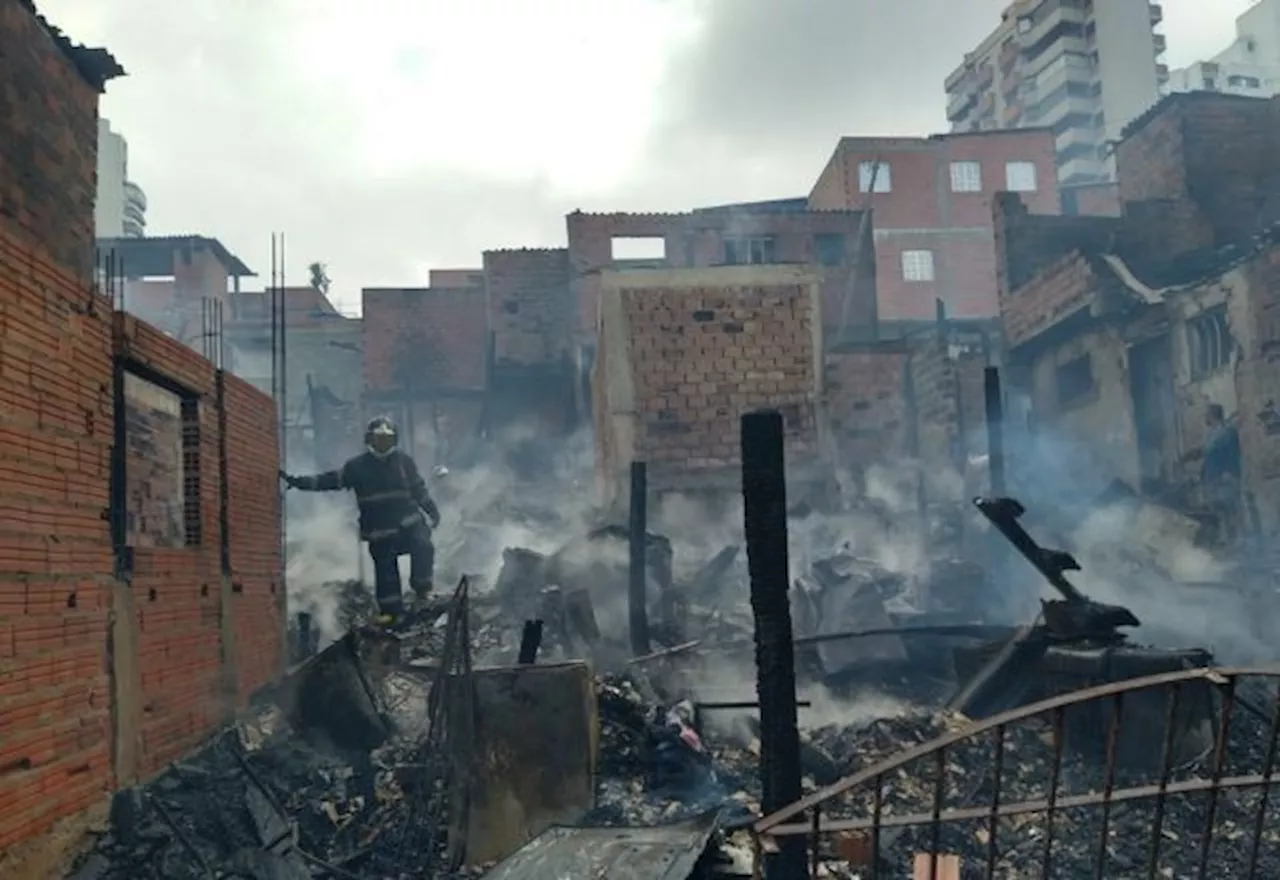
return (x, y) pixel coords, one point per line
(381, 437)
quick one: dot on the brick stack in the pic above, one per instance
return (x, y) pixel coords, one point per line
(253, 517)
(1062, 287)
(55, 547)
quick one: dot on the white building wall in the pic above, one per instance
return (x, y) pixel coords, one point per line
(120, 205)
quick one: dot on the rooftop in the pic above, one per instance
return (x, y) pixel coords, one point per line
(96, 66)
(154, 256)
(1174, 100)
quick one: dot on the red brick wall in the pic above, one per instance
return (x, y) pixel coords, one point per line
(49, 129)
(1092, 200)
(1060, 289)
(56, 568)
(529, 306)
(55, 551)
(436, 339)
(257, 582)
(1212, 150)
(921, 199)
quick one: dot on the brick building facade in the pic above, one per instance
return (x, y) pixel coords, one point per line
(141, 598)
(931, 202)
(1122, 330)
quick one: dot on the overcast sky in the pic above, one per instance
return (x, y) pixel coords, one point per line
(387, 137)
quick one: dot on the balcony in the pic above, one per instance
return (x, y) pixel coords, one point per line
(1161, 44)
(133, 195)
(1157, 14)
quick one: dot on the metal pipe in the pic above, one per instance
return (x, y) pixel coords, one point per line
(764, 496)
(638, 606)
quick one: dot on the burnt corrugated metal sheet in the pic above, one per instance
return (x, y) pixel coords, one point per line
(663, 852)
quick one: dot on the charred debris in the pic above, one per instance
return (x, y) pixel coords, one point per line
(569, 720)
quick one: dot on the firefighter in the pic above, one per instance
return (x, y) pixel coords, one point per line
(395, 508)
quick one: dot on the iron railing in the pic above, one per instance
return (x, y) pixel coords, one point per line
(1204, 738)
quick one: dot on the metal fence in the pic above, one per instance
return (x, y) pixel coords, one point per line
(1162, 776)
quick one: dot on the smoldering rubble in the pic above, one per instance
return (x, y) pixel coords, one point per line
(899, 629)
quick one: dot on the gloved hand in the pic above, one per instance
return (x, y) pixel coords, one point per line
(289, 480)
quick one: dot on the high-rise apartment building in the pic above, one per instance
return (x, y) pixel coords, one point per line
(1084, 68)
(120, 209)
(1249, 66)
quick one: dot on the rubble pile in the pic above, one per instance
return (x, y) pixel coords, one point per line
(259, 803)
(1027, 775)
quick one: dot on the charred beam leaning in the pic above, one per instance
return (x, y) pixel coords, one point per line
(639, 612)
(764, 496)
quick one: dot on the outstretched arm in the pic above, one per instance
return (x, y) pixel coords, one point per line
(329, 481)
(421, 495)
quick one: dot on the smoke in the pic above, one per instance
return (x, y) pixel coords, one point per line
(1132, 552)
(323, 552)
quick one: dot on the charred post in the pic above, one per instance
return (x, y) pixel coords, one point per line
(639, 612)
(764, 496)
(995, 429)
(530, 642)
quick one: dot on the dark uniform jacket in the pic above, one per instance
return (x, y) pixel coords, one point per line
(390, 492)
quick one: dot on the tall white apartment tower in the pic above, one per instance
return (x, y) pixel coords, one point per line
(1084, 68)
(120, 209)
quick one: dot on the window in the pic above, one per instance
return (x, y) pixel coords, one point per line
(917, 265)
(1209, 342)
(875, 176)
(966, 177)
(162, 466)
(1074, 380)
(1248, 82)
(749, 251)
(1210, 84)
(1020, 176)
(829, 249)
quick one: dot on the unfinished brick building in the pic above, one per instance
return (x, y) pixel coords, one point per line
(1121, 330)
(141, 598)
(684, 353)
(761, 233)
(931, 202)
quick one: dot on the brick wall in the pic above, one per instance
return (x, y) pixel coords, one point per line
(920, 196)
(1025, 242)
(74, 716)
(698, 240)
(49, 132)
(55, 550)
(685, 353)
(1258, 385)
(1059, 290)
(1092, 200)
(424, 338)
(529, 307)
(253, 542)
(940, 421)
(866, 405)
(1215, 151)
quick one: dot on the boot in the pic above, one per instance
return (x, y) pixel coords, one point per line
(422, 590)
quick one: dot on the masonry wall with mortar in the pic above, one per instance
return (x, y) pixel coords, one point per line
(866, 405)
(60, 723)
(426, 364)
(697, 357)
(529, 307)
(49, 129)
(698, 240)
